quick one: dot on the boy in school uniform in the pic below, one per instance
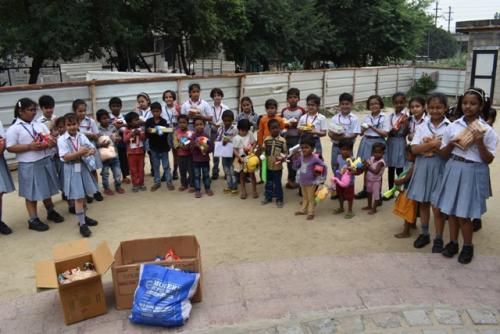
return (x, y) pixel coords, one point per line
(117, 118)
(343, 126)
(292, 114)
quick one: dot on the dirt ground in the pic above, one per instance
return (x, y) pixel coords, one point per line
(230, 230)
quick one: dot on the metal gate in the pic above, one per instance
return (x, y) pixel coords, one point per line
(484, 67)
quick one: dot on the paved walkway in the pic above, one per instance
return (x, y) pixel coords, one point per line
(377, 293)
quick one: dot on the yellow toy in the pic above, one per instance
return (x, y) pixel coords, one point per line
(250, 163)
(321, 193)
(356, 164)
(307, 127)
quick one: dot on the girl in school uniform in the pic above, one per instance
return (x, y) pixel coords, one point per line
(396, 140)
(418, 115)
(89, 128)
(374, 129)
(74, 147)
(37, 175)
(171, 112)
(465, 183)
(316, 120)
(196, 107)
(6, 184)
(142, 108)
(218, 108)
(247, 112)
(428, 170)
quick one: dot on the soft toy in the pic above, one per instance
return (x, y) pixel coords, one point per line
(308, 127)
(356, 164)
(43, 139)
(250, 163)
(159, 130)
(391, 192)
(107, 150)
(336, 128)
(342, 181)
(203, 142)
(295, 149)
(321, 193)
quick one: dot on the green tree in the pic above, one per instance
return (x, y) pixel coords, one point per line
(44, 30)
(439, 43)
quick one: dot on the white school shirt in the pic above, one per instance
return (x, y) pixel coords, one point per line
(217, 112)
(381, 121)
(169, 114)
(144, 115)
(44, 120)
(88, 125)
(318, 121)
(202, 105)
(349, 122)
(24, 133)
(427, 129)
(2, 131)
(413, 124)
(65, 143)
(113, 117)
(472, 153)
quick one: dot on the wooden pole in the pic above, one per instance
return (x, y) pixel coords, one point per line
(93, 98)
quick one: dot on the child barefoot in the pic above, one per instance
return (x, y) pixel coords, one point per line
(405, 207)
(306, 168)
(244, 145)
(345, 193)
(373, 177)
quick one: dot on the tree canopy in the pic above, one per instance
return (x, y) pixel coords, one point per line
(346, 32)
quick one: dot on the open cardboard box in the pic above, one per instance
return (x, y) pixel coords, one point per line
(82, 299)
(131, 254)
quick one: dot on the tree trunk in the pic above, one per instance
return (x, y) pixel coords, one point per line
(35, 68)
(182, 55)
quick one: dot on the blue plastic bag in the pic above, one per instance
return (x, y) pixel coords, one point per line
(162, 296)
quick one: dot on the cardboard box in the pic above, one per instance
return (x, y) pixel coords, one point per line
(82, 299)
(131, 254)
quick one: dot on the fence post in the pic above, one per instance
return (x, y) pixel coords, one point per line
(202, 66)
(241, 91)
(179, 92)
(397, 79)
(459, 77)
(376, 82)
(60, 73)
(93, 97)
(354, 85)
(213, 66)
(10, 79)
(289, 79)
(323, 90)
(221, 62)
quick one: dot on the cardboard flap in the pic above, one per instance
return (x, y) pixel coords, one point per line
(103, 259)
(46, 276)
(70, 249)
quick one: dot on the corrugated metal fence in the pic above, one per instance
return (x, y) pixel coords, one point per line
(328, 84)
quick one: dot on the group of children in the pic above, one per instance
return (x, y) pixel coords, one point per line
(64, 154)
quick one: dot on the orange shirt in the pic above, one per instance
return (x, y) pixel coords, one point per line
(264, 129)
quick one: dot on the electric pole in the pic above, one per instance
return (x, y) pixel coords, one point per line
(449, 17)
(436, 14)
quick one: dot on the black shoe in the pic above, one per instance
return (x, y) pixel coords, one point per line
(37, 225)
(437, 246)
(215, 176)
(266, 201)
(63, 196)
(378, 203)
(55, 217)
(90, 221)
(334, 197)
(85, 231)
(163, 179)
(450, 250)
(4, 229)
(175, 176)
(98, 196)
(362, 194)
(476, 224)
(466, 254)
(89, 199)
(422, 241)
(72, 210)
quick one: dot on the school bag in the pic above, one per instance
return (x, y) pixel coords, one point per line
(162, 296)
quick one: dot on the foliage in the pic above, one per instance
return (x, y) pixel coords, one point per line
(439, 43)
(424, 84)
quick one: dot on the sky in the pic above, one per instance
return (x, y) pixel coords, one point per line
(464, 10)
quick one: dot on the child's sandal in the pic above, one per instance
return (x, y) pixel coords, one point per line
(310, 217)
(243, 196)
(300, 213)
(338, 211)
(349, 215)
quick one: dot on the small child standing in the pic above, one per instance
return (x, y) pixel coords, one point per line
(158, 146)
(134, 138)
(182, 142)
(243, 145)
(225, 134)
(200, 149)
(292, 114)
(218, 109)
(271, 106)
(275, 152)
(373, 177)
(404, 207)
(345, 193)
(248, 113)
(109, 130)
(306, 167)
(118, 120)
(78, 182)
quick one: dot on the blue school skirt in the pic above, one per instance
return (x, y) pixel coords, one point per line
(78, 184)
(365, 147)
(395, 153)
(6, 183)
(427, 174)
(464, 188)
(38, 179)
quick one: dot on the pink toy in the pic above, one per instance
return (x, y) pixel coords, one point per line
(343, 181)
